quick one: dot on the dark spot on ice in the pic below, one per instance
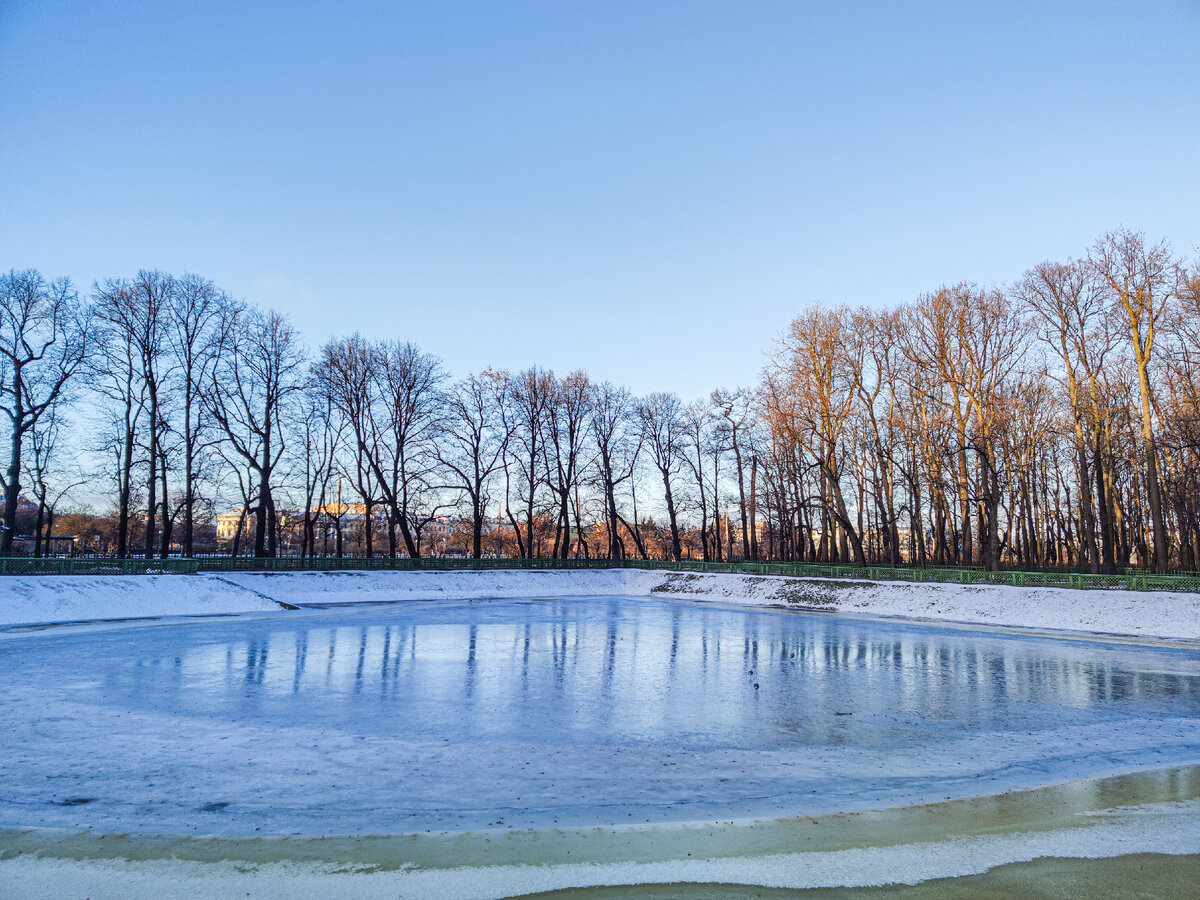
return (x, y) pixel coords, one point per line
(214, 807)
(77, 801)
(756, 685)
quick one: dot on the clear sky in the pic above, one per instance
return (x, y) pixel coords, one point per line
(648, 190)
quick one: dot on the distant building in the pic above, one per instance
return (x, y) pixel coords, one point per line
(24, 504)
(440, 528)
(353, 511)
(227, 525)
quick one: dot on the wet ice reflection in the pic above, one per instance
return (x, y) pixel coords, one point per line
(630, 670)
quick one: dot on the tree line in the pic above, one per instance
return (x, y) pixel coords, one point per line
(1054, 421)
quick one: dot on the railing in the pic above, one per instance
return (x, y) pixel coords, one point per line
(1130, 580)
(404, 564)
(1140, 581)
(90, 565)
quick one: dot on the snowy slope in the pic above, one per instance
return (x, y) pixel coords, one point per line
(1144, 614)
(302, 588)
(69, 598)
(42, 599)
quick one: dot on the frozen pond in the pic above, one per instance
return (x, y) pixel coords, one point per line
(509, 714)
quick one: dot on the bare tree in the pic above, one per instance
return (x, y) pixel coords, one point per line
(137, 312)
(816, 393)
(524, 459)
(119, 365)
(1139, 279)
(318, 433)
(193, 316)
(1179, 410)
(566, 426)
(472, 443)
(617, 437)
(410, 394)
(252, 385)
(734, 408)
(1071, 318)
(347, 375)
(50, 477)
(698, 421)
(45, 337)
(873, 359)
(660, 415)
(390, 395)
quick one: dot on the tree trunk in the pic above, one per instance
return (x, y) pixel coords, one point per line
(476, 526)
(737, 455)
(676, 549)
(189, 488)
(754, 507)
(37, 528)
(152, 491)
(165, 543)
(260, 518)
(13, 492)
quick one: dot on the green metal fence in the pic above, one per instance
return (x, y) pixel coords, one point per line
(403, 564)
(1130, 580)
(85, 565)
(1140, 581)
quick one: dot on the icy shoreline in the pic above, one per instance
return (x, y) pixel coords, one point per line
(53, 599)
(1160, 828)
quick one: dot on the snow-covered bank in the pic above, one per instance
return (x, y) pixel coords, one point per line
(70, 598)
(1140, 614)
(42, 599)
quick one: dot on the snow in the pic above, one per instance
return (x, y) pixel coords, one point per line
(75, 598)
(1149, 614)
(54, 599)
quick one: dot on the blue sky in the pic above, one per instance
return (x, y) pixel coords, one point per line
(648, 190)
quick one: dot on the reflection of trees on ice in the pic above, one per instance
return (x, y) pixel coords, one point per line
(600, 711)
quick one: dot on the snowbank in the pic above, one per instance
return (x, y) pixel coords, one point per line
(71, 598)
(45, 599)
(305, 588)
(1136, 613)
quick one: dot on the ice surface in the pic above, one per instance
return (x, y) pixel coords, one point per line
(511, 714)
